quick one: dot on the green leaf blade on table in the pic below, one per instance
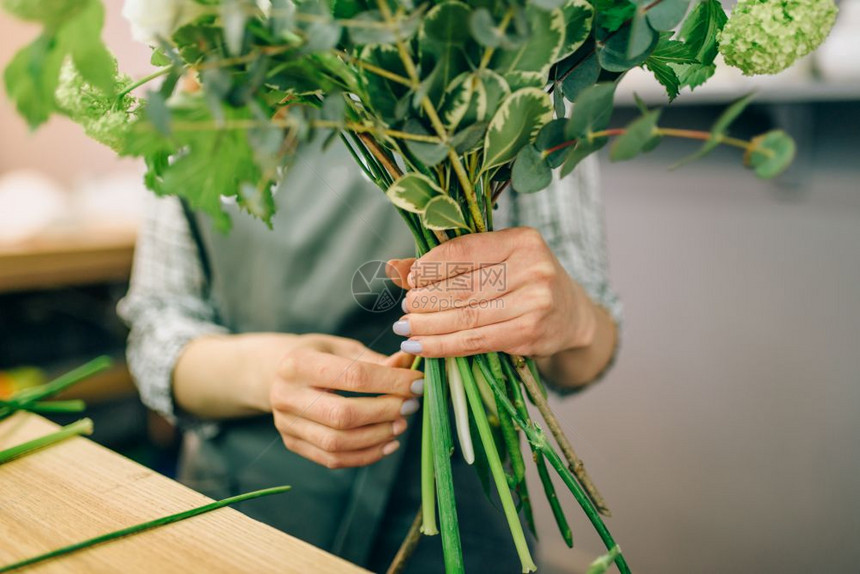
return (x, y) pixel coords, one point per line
(442, 213)
(413, 191)
(531, 172)
(515, 124)
(641, 135)
(81, 427)
(770, 154)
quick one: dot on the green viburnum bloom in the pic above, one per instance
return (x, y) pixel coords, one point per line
(105, 118)
(767, 36)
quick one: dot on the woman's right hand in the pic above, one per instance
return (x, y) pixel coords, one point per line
(342, 431)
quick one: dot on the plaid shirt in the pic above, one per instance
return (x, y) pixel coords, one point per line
(166, 306)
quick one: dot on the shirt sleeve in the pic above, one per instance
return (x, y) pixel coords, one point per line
(569, 216)
(166, 306)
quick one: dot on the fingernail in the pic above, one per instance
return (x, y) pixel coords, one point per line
(417, 387)
(398, 426)
(390, 447)
(404, 305)
(401, 328)
(410, 407)
(411, 346)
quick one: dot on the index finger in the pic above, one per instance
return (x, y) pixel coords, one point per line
(325, 371)
(464, 254)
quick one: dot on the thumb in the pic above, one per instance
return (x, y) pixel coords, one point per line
(398, 269)
(399, 360)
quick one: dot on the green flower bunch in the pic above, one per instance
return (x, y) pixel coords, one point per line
(768, 36)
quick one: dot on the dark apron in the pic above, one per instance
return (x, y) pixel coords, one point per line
(300, 278)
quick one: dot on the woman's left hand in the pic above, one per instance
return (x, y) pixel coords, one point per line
(496, 291)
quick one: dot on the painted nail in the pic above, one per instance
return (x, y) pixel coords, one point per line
(401, 328)
(404, 305)
(417, 387)
(410, 407)
(410, 346)
(398, 426)
(390, 447)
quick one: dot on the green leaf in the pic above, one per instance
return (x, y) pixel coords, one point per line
(530, 172)
(665, 74)
(553, 135)
(664, 60)
(443, 213)
(51, 13)
(622, 51)
(547, 32)
(667, 14)
(718, 130)
(640, 136)
(582, 76)
(515, 124)
(383, 95)
(641, 35)
(31, 80)
(474, 97)
(467, 139)
(413, 191)
(612, 14)
(700, 29)
(770, 154)
(578, 17)
(442, 41)
(591, 111)
(430, 154)
(517, 80)
(579, 152)
(484, 30)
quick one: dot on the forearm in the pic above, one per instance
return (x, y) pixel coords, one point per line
(576, 367)
(227, 376)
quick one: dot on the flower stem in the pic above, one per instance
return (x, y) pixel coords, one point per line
(81, 427)
(145, 526)
(434, 395)
(144, 80)
(413, 537)
(428, 479)
(495, 463)
(575, 463)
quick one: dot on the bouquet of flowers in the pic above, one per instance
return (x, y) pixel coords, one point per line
(445, 105)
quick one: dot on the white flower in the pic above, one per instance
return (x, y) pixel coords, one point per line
(154, 19)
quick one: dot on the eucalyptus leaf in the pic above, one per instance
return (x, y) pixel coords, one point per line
(617, 55)
(551, 136)
(667, 14)
(770, 154)
(530, 172)
(443, 213)
(583, 75)
(639, 136)
(469, 138)
(484, 29)
(718, 130)
(413, 191)
(515, 124)
(579, 152)
(591, 110)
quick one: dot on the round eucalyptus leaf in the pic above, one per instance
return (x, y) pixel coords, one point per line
(770, 154)
(484, 29)
(443, 213)
(591, 110)
(530, 172)
(583, 75)
(552, 136)
(469, 138)
(615, 55)
(667, 14)
(515, 124)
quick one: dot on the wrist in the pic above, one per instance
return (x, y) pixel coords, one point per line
(584, 322)
(260, 355)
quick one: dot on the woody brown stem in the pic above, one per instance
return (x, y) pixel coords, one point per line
(413, 537)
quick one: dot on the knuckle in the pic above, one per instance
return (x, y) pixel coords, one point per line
(331, 442)
(530, 236)
(354, 377)
(544, 271)
(469, 317)
(332, 462)
(473, 341)
(339, 416)
(544, 300)
(288, 368)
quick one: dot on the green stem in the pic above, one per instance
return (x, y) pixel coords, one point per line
(428, 480)
(434, 394)
(144, 80)
(145, 526)
(552, 498)
(486, 436)
(55, 407)
(536, 437)
(81, 427)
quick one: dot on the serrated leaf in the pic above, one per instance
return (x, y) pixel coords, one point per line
(667, 14)
(530, 172)
(770, 154)
(639, 136)
(552, 135)
(515, 124)
(591, 110)
(443, 213)
(413, 192)
(700, 29)
(612, 14)
(665, 74)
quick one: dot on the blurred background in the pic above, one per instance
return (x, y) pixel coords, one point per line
(726, 437)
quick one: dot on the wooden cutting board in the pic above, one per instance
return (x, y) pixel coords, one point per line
(77, 489)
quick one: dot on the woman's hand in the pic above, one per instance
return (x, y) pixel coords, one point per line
(296, 378)
(497, 291)
(333, 430)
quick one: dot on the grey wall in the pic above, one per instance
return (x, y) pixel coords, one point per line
(726, 438)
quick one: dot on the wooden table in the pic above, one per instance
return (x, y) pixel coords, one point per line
(77, 489)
